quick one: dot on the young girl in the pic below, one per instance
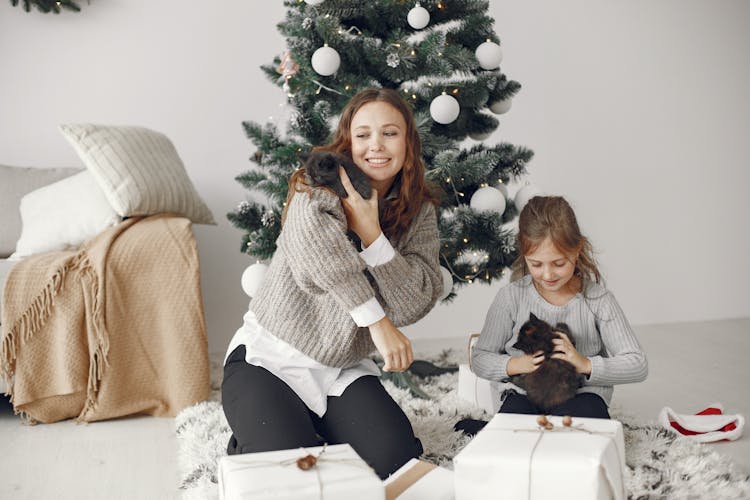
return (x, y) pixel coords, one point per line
(297, 372)
(556, 279)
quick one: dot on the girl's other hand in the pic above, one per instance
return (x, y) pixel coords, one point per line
(564, 349)
(527, 363)
(393, 345)
(361, 214)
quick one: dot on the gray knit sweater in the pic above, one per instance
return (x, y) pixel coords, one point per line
(316, 277)
(597, 324)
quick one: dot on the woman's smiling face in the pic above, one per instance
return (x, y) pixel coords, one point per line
(378, 134)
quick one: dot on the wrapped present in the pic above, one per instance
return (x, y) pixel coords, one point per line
(477, 390)
(420, 480)
(322, 473)
(515, 457)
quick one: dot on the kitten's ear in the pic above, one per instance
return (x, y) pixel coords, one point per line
(303, 157)
(533, 317)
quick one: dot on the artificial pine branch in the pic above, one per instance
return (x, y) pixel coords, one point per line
(47, 6)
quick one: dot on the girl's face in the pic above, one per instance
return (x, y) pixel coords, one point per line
(550, 269)
(378, 133)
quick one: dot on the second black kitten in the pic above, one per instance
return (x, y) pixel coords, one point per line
(323, 169)
(555, 380)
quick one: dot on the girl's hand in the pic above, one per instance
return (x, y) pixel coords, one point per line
(361, 214)
(393, 345)
(518, 365)
(564, 349)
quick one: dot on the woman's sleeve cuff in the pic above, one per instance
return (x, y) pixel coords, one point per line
(368, 313)
(379, 252)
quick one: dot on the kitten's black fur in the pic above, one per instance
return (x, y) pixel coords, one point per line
(556, 380)
(323, 169)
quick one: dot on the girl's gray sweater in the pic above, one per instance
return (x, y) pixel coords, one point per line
(316, 277)
(598, 326)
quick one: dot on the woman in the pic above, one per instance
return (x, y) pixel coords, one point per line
(297, 372)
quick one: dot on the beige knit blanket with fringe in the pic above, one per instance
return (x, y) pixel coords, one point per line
(114, 329)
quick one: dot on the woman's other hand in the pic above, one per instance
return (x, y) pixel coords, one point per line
(393, 345)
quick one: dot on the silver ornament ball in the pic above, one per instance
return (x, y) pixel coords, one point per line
(488, 199)
(325, 61)
(502, 106)
(418, 17)
(489, 55)
(447, 282)
(253, 277)
(444, 109)
(524, 194)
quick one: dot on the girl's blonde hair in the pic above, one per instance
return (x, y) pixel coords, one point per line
(552, 217)
(413, 190)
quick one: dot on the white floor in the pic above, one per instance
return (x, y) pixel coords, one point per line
(691, 365)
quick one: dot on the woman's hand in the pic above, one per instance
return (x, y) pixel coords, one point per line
(361, 214)
(564, 349)
(393, 345)
(527, 363)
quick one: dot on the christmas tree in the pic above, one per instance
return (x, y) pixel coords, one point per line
(444, 56)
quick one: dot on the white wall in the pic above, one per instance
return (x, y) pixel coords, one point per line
(637, 112)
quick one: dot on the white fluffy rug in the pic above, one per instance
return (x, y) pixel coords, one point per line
(660, 465)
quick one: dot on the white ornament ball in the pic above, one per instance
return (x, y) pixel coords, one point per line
(444, 109)
(313, 2)
(252, 278)
(489, 54)
(488, 199)
(418, 17)
(500, 107)
(524, 194)
(478, 136)
(325, 61)
(447, 282)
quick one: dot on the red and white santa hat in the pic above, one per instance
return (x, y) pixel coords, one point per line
(706, 426)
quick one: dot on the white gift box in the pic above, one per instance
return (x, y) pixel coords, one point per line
(339, 474)
(513, 458)
(420, 480)
(477, 390)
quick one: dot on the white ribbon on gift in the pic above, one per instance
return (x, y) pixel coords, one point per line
(573, 428)
(499, 459)
(250, 461)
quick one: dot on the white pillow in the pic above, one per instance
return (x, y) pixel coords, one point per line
(63, 215)
(15, 182)
(139, 171)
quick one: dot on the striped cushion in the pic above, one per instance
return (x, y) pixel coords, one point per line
(139, 170)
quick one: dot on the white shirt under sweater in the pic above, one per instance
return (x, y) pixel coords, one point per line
(312, 381)
(597, 324)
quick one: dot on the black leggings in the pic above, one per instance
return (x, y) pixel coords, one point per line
(584, 404)
(265, 414)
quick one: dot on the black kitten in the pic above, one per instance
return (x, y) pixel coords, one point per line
(323, 169)
(556, 380)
